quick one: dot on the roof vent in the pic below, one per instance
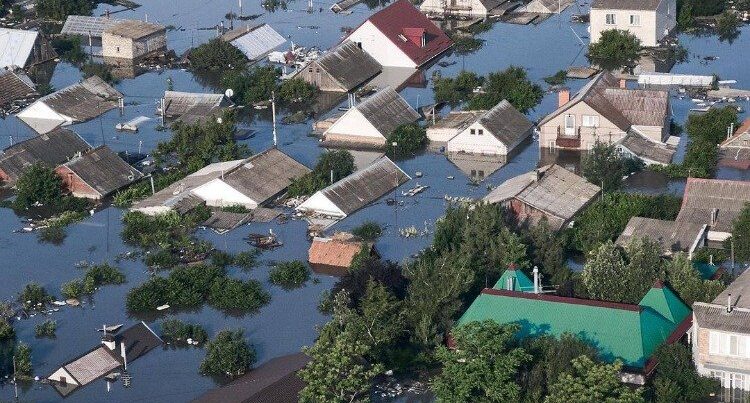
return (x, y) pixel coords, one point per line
(714, 216)
(729, 302)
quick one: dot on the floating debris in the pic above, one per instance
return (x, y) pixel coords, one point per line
(162, 307)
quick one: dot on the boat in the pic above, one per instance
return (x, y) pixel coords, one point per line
(110, 328)
(415, 190)
(162, 307)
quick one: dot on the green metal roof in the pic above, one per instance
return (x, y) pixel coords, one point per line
(521, 281)
(627, 332)
(706, 270)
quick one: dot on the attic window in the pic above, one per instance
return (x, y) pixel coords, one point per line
(402, 37)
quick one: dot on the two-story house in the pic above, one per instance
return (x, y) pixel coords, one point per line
(649, 20)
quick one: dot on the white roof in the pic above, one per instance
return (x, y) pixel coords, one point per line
(688, 80)
(16, 46)
(257, 42)
(87, 25)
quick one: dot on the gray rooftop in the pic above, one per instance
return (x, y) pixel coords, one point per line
(386, 110)
(349, 65)
(103, 170)
(255, 42)
(704, 196)
(16, 47)
(190, 106)
(95, 364)
(14, 86)
(715, 315)
(134, 29)
(85, 25)
(265, 175)
(50, 149)
(506, 123)
(458, 120)
(626, 4)
(647, 149)
(673, 236)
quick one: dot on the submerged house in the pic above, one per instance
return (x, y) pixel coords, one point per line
(672, 236)
(74, 104)
(341, 69)
(96, 174)
(651, 152)
(129, 41)
(254, 42)
(356, 190)
(15, 86)
(401, 36)
(192, 107)
(50, 149)
(649, 20)
(451, 125)
(551, 191)
(459, 8)
(735, 150)
(630, 333)
(498, 131)
(87, 26)
(604, 110)
(249, 182)
(335, 255)
(369, 123)
(114, 352)
(22, 49)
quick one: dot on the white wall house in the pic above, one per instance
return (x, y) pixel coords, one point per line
(649, 20)
(496, 132)
(218, 193)
(372, 41)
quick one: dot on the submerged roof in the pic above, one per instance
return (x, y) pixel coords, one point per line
(655, 319)
(265, 175)
(626, 4)
(506, 123)
(93, 365)
(16, 46)
(706, 197)
(457, 120)
(193, 106)
(386, 110)
(50, 149)
(133, 29)
(672, 236)
(647, 149)
(85, 25)
(255, 42)
(349, 65)
(103, 170)
(15, 85)
(334, 252)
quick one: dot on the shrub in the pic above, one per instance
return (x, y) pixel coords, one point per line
(100, 275)
(247, 259)
(368, 231)
(511, 84)
(290, 274)
(296, 90)
(72, 289)
(100, 70)
(37, 185)
(6, 330)
(228, 354)
(252, 86)
(456, 90)
(175, 331)
(46, 329)
(69, 49)
(22, 358)
(217, 55)
(341, 162)
(235, 208)
(237, 295)
(558, 78)
(409, 138)
(34, 296)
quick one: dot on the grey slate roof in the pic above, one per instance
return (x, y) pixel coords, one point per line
(386, 110)
(191, 107)
(16, 47)
(349, 65)
(254, 42)
(265, 175)
(15, 85)
(133, 29)
(50, 149)
(715, 315)
(626, 4)
(138, 339)
(702, 196)
(647, 149)
(85, 25)
(673, 236)
(458, 120)
(365, 186)
(506, 123)
(103, 170)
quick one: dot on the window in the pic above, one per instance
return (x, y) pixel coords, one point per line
(473, 173)
(726, 344)
(310, 70)
(117, 49)
(481, 174)
(610, 19)
(590, 121)
(317, 70)
(472, 131)
(738, 381)
(570, 125)
(635, 20)
(718, 375)
(480, 131)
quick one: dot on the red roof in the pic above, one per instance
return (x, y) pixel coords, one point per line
(403, 19)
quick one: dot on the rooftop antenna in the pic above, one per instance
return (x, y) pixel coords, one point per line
(240, 8)
(273, 116)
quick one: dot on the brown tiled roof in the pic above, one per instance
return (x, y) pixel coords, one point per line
(134, 29)
(103, 170)
(704, 196)
(332, 252)
(673, 236)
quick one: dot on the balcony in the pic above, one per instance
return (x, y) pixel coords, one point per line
(568, 141)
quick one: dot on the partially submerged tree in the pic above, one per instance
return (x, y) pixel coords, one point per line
(740, 240)
(616, 49)
(605, 165)
(331, 166)
(512, 84)
(408, 139)
(228, 354)
(37, 185)
(217, 55)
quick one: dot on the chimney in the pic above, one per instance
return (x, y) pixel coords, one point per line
(537, 288)
(729, 302)
(714, 216)
(623, 83)
(424, 39)
(536, 175)
(563, 96)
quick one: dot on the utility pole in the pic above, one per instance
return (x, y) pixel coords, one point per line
(240, 8)
(273, 116)
(15, 384)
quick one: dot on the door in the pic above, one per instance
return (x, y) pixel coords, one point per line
(570, 125)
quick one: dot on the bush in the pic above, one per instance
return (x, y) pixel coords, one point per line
(6, 330)
(615, 49)
(60, 9)
(247, 259)
(175, 331)
(46, 329)
(409, 138)
(34, 296)
(605, 165)
(236, 295)
(100, 70)
(368, 231)
(228, 354)
(72, 289)
(511, 84)
(99, 275)
(290, 274)
(296, 90)
(22, 358)
(253, 86)
(456, 90)
(217, 55)
(558, 78)
(37, 185)
(69, 49)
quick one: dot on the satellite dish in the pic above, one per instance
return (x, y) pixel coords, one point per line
(229, 92)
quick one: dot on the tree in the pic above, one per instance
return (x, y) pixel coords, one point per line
(483, 367)
(289, 275)
(548, 253)
(740, 240)
(601, 274)
(604, 165)
(614, 50)
(590, 382)
(509, 249)
(384, 272)
(676, 379)
(228, 354)
(728, 26)
(332, 166)
(409, 138)
(685, 19)
(644, 267)
(60, 9)
(511, 84)
(381, 315)
(217, 55)
(254, 85)
(34, 296)
(712, 125)
(368, 231)
(296, 90)
(37, 185)
(22, 357)
(687, 283)
(455, 90)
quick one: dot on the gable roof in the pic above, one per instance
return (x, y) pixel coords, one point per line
(743, 132)
(647, 149)
(401, 20)
(103, 170)
(138, 339)
(92, 365)
(14, 86)
(506, 123)
(626, 4)
(133, 29)
(603, 324)
(50, 149)
(458, 120)
(193, 106)
(518, 280)
(16, 46)
(714, 315)
(703, 196)
(386, 110)
(349, 65)
(672, 236)
(265, 175)
(255, 42)
(85, 25)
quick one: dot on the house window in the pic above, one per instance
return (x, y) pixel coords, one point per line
(590, 121)
(719, 375)
(317, 70)
(635, 20)
(481, 174)
(610, 19)
(473, 173)
(726, 344)
(117, 49)
(480, 131)
(472, 131)
(570, 125)
(738, 381)
(310, 70)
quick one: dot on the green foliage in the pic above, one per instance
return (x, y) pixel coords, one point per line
(37, 185)
(590, 382)
(687, 282)
(175, 331)
(142, 189)
(341, 162)
(456, 90)
(368, 231)
(59, 10)
(712, 125)
(34, 296)
(685, 18)
(605, 220)
(217, 55)
(166, 230)
(703, 7)
(99, 275)
(558, 78)
(6, 330)
(409, 138)
(254, 85)
(72, 289)
(236, 208)
(728, 26)
(230, 294)
(605, 165)
(615, 49)
(103, 71)
(707, 255)
(740, 240)
(483, 367)
(547, 250)
(676, 379)
(290, 275)
(69, 49)
(297, 90)
(511, 84)
(45, 329)
(465, 44)
(22, 358)
(228, 354)
(247, 259)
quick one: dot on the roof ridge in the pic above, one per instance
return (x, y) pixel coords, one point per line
(564, 300)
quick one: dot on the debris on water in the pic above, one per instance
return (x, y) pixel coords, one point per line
(418, 174)
(451, 177)
(72, 302)
(59, 303)
(162, 307)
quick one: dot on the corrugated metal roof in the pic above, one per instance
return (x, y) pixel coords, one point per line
(103, 170)
(255, 42)
(85, 25)
(14, 86)
(387, 110)
(16, 46)
(702, 196)
(506, 123)
(715, 316)
(559, 192)
(349, 65)
(265, 175)
(648, 150)
(50, 149)
(672, 236)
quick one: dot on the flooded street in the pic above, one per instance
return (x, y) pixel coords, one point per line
(288, 322)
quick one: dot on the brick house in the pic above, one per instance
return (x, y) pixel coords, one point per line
(96, 174)
(131, 40)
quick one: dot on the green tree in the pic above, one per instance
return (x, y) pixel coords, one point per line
(454, 90)
(332, 166)
(601, 274)
(60, 9)
(381, 316)
(590, 382)
(676, 379)
(509, 249)
(728, 26)
(38, 184)
(685, 19)
(548, 253)
(296, 90)
(252, 86)
(605, 165)
(289, 275)
(368, 231)
(409, 138)
(511, 84)
(217, 55)
(22, 357)
(740, 240)
(687, 282)
(644, 267)
(34, 296)
(712, 125)
(615, 49)
(228, 354)
(483, 367)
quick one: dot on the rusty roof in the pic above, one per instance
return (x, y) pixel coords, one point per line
(333, 252)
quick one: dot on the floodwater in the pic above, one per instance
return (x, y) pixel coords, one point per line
(289, 321)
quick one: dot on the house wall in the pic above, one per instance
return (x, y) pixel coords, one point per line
(315, 75)
(525, 212)
(739, 141)
(75, 185)
(218, 193)
(655, 133)
(40, 110)
(114, 46)
(472, 8)
(484, 143)
(705, 361)
(441, 135)
(605, 132)
(354, 127)
(385, 52)
(319, 203)
(645, 31)
(62, 376)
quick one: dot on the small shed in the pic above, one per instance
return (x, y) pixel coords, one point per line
(335, 255)
(356, 190)
(341, 69)
(133, 40)
(97, 174)
(191, 107)
(496, 132)
(255, 42)
(15, 86)
(372, 121)
(21, 48)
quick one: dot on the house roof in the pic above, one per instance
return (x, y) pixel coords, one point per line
(387, 110)
(647, 149)
(547, 6)
(138, 339)
(15, 85)
(103, 170)
(714, 315)
(743, 132)
(16, 46)
(557, 191)
(265, 175)
(703, 196)
(647, 325)
(518, 279)
(626, 4)
(275, 381)
(506, 123)
(672, 236)
(457, 120)
(192, 106)
(92, 365)
(255, 42)
(133, 29)
(85, 25)
(50, 149)
(349, 65)
(399, 20)
(334, 252)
